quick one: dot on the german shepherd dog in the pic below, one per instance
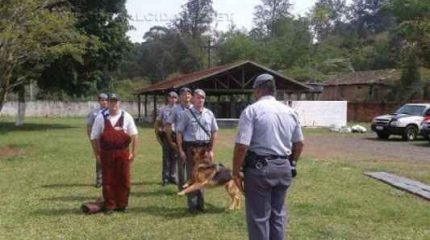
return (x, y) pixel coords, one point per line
(208, 174)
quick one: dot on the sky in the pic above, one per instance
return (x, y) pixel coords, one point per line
(148, 13)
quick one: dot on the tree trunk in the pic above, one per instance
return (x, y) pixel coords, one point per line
(21, 107)
(3, 94)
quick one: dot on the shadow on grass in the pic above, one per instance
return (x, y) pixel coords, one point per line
(176, 212)
(66, 185)
(58, 212)
(154, 193)
(70, 199)
(143, 183)
(6, 127)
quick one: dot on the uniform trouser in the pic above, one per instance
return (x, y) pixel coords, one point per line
(98, 173)
(195, 199)
(116, 178)
(180, 171)
(169, 160)
(265, 191)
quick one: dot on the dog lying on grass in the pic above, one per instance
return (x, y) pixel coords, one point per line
(208, 174)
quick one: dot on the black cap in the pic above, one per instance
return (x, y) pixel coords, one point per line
(113, 96)
(172, 94)
(185, 89)
(103, 96)
(200, 92)
(262, 78)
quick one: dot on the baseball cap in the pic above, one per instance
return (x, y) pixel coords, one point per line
(185, 89)
(172, 94)
(103, 96)
(262, 78)
(200, 92)
(113, 96)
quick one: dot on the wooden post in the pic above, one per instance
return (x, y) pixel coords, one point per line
(146, 105)
(155, 108)
(218, 106)
(139, 114)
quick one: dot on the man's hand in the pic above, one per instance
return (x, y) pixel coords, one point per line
(131, 157)
(174, 147)
(211, 155)
(157, 136)
(238, 180)
(183, 156)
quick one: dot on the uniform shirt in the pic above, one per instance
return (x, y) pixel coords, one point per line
(164, 114)
(92, 116)
(129, 126)
(269, 127)
(191, 130)
(175, 115)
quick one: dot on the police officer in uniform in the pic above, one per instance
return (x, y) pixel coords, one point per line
(197, 129)
(168, 174)
(185, 96)
(269, 142)
(102, 99)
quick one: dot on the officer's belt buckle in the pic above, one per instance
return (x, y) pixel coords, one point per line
(259, 165)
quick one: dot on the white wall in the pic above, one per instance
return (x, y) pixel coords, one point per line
(321, 113)
(60, 109)
(311, 113)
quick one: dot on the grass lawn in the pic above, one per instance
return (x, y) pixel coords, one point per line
(47, 171)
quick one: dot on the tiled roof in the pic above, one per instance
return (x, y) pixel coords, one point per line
(186, 79)
(383, 77)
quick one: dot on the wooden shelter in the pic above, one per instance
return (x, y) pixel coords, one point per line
(228, 88)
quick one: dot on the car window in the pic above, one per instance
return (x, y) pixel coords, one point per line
(411, 110)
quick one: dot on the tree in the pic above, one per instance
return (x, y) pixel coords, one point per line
(236, 45)
(105, 21)
(195, 18)
(326, 16)
(33, 34)
(269, 12)
(413, 37)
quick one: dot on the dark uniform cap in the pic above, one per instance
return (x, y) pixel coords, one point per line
(172, 94)
(113, 96)
(103, 96)
(200, 92)
(262, 79)
(184, 89)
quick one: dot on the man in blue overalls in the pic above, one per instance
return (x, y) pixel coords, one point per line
(269, 142)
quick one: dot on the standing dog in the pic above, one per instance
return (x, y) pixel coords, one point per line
(208, 174)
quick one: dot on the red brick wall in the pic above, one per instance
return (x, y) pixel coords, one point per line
(365, 112)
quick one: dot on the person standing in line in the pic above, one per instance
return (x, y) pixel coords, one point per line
(196, 130)
(185, 96)
(102, 99)
(168, 174)
(269, 142)
(114, 136)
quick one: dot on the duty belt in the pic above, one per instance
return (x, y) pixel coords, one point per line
(252, 160)
(197, 144)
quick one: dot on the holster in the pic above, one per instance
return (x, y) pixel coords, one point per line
(252, 160)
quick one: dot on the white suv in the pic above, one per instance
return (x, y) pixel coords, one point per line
(405, 121)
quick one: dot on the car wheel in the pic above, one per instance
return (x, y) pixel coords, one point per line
(410, 133)
(383, 135)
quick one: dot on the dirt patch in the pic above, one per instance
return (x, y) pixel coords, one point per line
(7, 152)
(365, 147)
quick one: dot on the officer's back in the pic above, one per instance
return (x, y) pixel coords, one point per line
(275, 127)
